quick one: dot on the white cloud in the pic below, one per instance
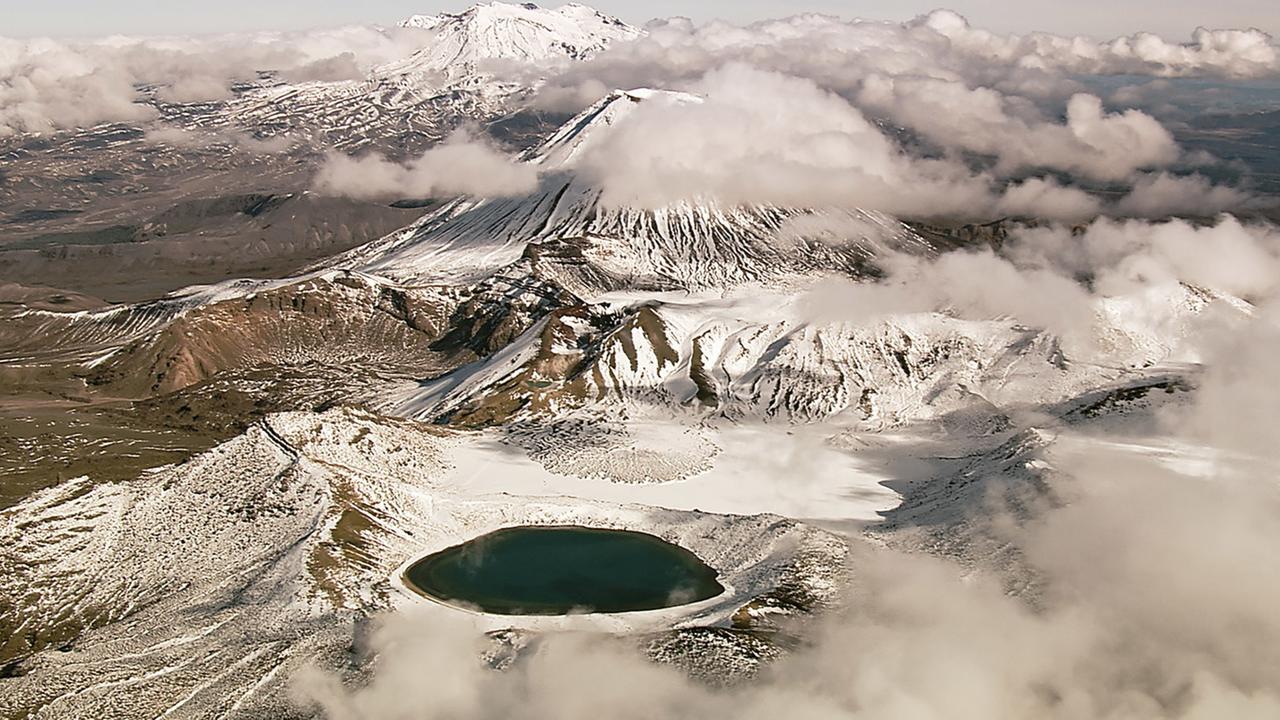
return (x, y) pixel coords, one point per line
(1108, 146)
(1052, 277)
(1163, 194)
(44, 86)
(461, 165)
(761, 137)
(965, 92)
(1229, 53)
(803, 147)
(977, 285)
(1091, 142)
(1227, 256)
(840, 54)
(1048, 200)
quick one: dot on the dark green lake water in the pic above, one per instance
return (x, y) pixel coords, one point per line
(553, 570)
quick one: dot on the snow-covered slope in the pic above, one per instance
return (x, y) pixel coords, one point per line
(502, 31)
(205, 586)
(753, 354)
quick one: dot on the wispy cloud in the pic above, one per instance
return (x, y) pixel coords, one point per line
(462, 165)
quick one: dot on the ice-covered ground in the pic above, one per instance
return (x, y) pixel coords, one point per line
(751, 468)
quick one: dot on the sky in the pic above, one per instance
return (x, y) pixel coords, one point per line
(1174, 19)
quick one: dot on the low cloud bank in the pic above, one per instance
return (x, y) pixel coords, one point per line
(48, 84)
(462, 165)
(758, 137)
(941, 47)
(764, 137)
(1163, 194)
(1091, 142)
(954, 95)
(1120, 257)
(42, 78)
(1052, 276)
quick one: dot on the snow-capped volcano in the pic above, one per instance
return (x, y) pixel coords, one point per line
(524, 32)
(562, 149)
(473, 66)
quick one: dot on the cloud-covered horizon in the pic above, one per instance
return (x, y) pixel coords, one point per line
(809, 147)
(926, 118)
(763, 137)
(40, 76)
(840, 54)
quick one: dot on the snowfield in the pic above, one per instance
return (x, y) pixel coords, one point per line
(207, 579)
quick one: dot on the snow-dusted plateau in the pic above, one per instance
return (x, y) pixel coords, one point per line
(260, 352)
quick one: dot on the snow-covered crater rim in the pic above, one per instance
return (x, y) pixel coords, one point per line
(751, 555)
